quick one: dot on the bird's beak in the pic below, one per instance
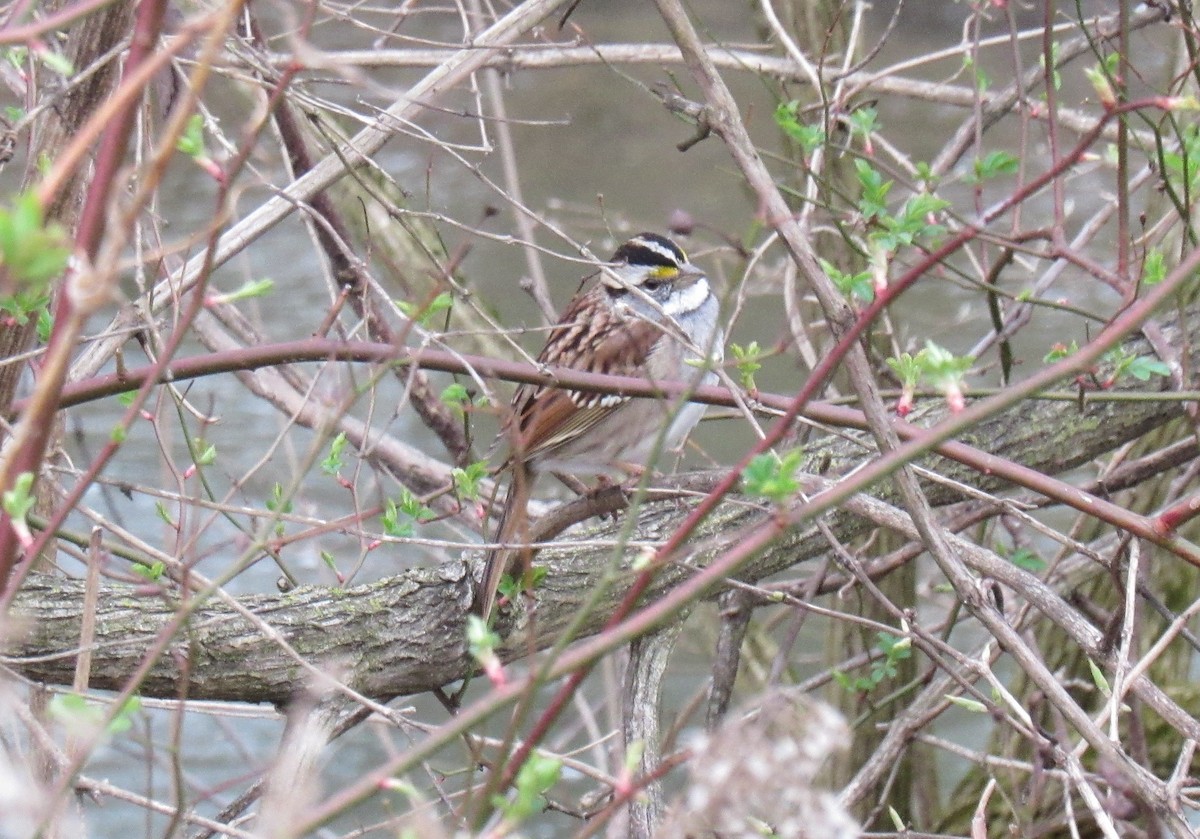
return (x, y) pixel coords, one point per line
(688, 271)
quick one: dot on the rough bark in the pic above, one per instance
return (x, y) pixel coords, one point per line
(92, 38)
(405, 634)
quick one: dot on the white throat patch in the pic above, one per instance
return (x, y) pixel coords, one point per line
(688, 300)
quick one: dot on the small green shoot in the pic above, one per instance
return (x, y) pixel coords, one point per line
(467, 480)
(993, 165)
(894, 648)
(913, 222)
(153, 572)
(248, 291)
(808, 137)
(456, 397)
(1060, 351)
(17, 503)
(82, 718)
(331, 563)
(334, 461)
(1026, 559)
(393, 524)
(946, 372)
(1099, 679)
(399, 518)
(982, 81)
(424, 315)
(533, 780)
(873, 200)
(511, 586)
(864, 122)
(935, 365)
(27, 302)
(1101, 77)
(206, 453)
(972, 705)
(279, 505)
(482, 644)
(191, 141)
(1141, 367)
(1154, 267)
(747, 361)
(160, 509)
(1055, 75)
(31, 249)
(413, 506)
(45, 324)
(56, 62)
(855, 287)
(924, 175)
(772, 476)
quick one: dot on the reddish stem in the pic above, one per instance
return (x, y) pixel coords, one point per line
(113, 144)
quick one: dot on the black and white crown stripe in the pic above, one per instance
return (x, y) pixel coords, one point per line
(650, 249)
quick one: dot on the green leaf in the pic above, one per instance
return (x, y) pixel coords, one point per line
(413, 506)
(191, 141)
(536, 776)
(772, 476)
(57, 62)
(1144, 367)
(33, 251)
(972, 705)
(277, 503)
(942, 368)
(993, 164)
(332, 464)
(1060, 351)
(249, 289)
(153, 572)
(426, 314)
(1154, 268)
(873, 201)
(45, 324)
(206, 453)
(1027, 559)
(864, 122)
(480, 638)
(809, 137)
(908, 367)
(512, 586)
(77, 714)
(1099, 679)
(747, 360)
(854, 286)
(161, 510)
(456, 396)
(393, 525)
(19, 500)
(466, 481)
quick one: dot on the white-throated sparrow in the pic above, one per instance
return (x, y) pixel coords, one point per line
(651, 312)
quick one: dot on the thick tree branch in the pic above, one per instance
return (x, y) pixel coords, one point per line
(405, 634)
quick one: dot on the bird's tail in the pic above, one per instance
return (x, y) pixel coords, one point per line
(511, 530)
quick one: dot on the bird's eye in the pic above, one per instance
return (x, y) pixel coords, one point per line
(651, 284)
